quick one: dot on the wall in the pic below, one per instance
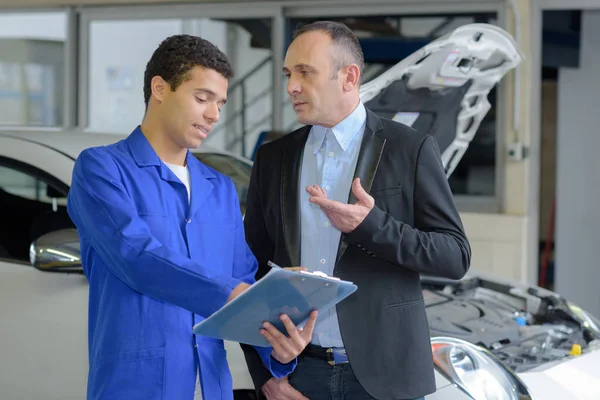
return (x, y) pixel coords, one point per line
(578, 165)
(497, 244)
(44, 26)
(119, 51)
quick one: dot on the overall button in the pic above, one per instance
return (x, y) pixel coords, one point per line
(188, 220)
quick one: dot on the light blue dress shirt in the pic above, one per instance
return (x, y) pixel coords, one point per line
(329, 160)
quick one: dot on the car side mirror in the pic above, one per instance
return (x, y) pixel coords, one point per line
(57, 251)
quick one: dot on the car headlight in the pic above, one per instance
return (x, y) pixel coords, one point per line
(476, 371)
(587, 319)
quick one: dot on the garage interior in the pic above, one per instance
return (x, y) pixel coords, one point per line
(526, 188)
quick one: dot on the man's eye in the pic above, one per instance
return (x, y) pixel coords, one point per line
(199, 100)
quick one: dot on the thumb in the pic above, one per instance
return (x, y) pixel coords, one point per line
(360, 193)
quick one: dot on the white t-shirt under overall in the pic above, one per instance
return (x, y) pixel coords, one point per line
(183, 174)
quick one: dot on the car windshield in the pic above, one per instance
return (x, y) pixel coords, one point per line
(238, 170)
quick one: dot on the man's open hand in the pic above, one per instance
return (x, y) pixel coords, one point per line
(345, 217)
(287, 348)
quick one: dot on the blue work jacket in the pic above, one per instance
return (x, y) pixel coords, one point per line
(157, 265)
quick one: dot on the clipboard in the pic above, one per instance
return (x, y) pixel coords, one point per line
(280, 291)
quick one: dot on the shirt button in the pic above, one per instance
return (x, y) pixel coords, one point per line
(326, 224)
(322, 261)
(331, 154)
(188, 220)
(327, 187)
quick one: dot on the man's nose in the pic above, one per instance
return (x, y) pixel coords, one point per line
(212, 112)
(293, 86)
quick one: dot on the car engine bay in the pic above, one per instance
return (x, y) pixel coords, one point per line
(524, 327)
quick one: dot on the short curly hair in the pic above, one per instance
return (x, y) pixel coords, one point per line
(177, 55)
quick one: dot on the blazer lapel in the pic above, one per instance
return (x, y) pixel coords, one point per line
(290, 206)
(369, 155)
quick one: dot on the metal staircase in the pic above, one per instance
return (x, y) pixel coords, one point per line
(239, 129)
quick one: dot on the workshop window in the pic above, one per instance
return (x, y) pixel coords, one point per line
(32, 69)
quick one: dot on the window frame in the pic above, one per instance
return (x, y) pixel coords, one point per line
(37, 174)
(69, 99)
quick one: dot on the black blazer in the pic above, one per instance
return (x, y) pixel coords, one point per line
(413, 229)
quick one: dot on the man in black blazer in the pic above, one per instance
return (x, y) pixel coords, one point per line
(367, 200)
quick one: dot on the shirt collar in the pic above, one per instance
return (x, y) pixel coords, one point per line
(343, 132)
(144, 155)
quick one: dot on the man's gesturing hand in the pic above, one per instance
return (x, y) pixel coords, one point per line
(345, 217)
(287, 348)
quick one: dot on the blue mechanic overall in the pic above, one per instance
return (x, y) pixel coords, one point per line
(157, 264)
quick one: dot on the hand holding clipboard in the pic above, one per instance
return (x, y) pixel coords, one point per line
(280, 291)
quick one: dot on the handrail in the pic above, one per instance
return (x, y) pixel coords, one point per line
(232, 117)
(241, 82)
(250, 73)
(245, 104)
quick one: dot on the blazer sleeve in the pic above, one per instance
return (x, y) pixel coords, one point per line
(105, 216)
(436, 244)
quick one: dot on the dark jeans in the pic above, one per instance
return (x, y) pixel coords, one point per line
(318, 380)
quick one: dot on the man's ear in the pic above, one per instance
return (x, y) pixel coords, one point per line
(352, 78)
(159, 87)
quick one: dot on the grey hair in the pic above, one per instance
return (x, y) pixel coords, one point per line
(343, 38)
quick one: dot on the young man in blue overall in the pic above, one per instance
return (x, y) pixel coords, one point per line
(162, 241)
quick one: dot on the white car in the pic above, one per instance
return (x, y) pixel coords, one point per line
(490, 339)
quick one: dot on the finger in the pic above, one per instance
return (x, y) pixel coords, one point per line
(315, 190)
(273, 341)
(279, 342)
(322, 191)
(324, 203)
(296, 268)
(310, 325)
(273, 331)
(311, 190)
(291, 329)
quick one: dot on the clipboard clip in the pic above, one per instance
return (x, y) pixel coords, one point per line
(315, 273)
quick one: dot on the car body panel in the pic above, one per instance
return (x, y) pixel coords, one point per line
(577, 379)
(44, 334)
